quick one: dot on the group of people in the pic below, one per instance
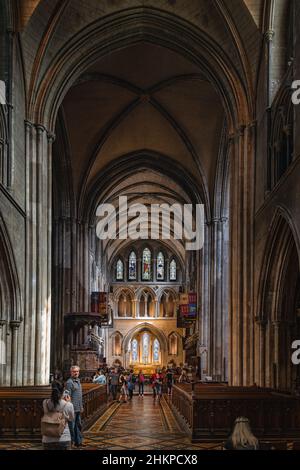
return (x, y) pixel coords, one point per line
(68, 402)
(124, 382)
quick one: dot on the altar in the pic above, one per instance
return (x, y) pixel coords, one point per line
(147, 369)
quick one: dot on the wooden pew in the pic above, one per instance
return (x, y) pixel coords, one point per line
(208, 413)
(21, 409)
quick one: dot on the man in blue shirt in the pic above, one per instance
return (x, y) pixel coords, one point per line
(73, 385)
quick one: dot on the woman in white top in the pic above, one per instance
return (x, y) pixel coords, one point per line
(59, 402)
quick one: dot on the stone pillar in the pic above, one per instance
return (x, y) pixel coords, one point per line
(134, 308)
(204, 259)
(277, 341)
(3, 354)
(219, 278)
(37, 317)
(262, 352)
(241, 264)
(156, 308)
(14, 325)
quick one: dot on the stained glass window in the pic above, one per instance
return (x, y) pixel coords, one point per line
(146, 268)
(156, 350)
(145, 348)
(173, 270)
(132, 266)
(120, 270)
(134, 350)
(160, 267)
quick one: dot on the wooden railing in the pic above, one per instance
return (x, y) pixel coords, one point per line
(209, 411)
(21, 408)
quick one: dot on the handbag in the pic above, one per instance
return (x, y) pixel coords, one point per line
(53, 423)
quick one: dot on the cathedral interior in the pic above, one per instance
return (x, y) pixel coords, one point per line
(165, 102)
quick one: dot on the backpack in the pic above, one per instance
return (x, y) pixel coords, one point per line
(53, 423)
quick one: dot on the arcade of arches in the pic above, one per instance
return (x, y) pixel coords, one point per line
(165, 102)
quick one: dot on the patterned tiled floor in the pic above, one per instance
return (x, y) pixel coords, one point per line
(140, 425)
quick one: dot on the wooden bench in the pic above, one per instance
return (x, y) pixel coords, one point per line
(21, 409)
(208, 413)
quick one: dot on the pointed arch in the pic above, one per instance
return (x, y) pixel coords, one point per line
(120, 270)
(147, 264)
(10, 293)
(277, 320)
(132, 266)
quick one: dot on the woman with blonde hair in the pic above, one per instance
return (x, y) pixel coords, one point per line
(242, 437)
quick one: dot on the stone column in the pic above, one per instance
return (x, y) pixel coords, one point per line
(204, 259)
(14, 325)
(241, 264)
(134, 308)
(3, 354)
(156, 308)
(262, 352)
(277, 341)
(219, 278)
(37, 317)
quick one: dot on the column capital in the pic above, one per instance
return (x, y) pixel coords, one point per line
(51, 137)
(3, 322)
(269, 35)
(14, 324)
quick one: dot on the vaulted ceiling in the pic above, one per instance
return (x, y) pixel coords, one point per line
(143, 97)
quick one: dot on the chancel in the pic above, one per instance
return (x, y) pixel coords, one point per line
(121, 123)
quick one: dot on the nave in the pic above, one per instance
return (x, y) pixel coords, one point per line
(141, 424)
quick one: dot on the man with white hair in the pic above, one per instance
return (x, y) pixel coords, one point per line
(73, 385)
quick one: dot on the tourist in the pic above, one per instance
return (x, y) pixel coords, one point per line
(157, 380)
(59, 402)
(99, 378)
(130, 384)
(170, 380)
(124, 389)
(141, 382)
(241, 437)
(73, 385)
(114, 382)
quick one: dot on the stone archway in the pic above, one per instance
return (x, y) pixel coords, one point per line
(277, 322)
(10, 312)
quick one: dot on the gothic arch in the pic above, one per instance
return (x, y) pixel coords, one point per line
(163, 290)
(279, 301)
(116, 343)
(10, 293)
(156, 26)
(145, 326)
(145, 290)
(120, 290)
(282, 236)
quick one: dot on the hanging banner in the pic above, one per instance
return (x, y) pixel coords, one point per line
(187, 310)
(192, 314)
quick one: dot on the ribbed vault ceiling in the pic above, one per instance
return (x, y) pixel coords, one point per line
(143, 97)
